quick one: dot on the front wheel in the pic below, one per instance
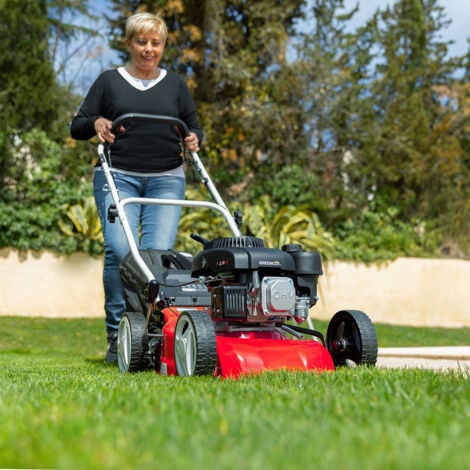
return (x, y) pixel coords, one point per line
(132, 343)
(351, 339)
(195, 344)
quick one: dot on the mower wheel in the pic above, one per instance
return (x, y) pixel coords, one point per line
(132, 343)
(351, 339)
(195, 344)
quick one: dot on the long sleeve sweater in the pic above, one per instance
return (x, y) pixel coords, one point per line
(143, 147)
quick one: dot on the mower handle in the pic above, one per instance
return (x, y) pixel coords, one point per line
(120, 120)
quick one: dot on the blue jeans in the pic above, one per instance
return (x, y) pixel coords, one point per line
(158, 228)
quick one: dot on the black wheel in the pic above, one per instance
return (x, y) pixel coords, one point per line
(351, 339)
(132, 343)
(195, 345)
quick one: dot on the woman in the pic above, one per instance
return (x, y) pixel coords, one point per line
(146, 157)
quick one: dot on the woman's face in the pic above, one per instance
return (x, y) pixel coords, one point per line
(146, 50)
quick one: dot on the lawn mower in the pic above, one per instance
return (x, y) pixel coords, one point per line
(234, 308)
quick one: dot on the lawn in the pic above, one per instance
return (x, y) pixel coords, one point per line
(62, 407)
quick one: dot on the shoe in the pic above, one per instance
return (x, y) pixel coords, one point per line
(111, 353)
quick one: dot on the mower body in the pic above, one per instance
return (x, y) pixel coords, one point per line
(233, 308)
(248, 291)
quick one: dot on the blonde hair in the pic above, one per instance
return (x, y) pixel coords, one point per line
(142, 23)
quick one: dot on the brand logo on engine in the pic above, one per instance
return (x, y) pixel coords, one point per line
(269, 263)
(280, 294)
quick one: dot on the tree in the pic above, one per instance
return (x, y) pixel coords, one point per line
(330, 70)
(72, 31)
(382, 134)
(27, 78)
(417, 154)
(40, 169)
(233, 55)
(27, 82)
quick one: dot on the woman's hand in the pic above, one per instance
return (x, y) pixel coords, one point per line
(103, 130)
(192, 142)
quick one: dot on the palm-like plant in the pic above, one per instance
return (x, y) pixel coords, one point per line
(289, 224)
(81, 221)
(276, 228)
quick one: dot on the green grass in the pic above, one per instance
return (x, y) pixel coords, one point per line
(62, 407)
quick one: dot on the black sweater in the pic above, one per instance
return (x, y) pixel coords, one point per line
(143, 147)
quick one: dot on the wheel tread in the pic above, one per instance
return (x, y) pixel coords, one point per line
(206, 348)
(138, 360)
(366, 330)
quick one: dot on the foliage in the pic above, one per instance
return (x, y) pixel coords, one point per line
(289, 224)
(344, 124)
(40, 169)
(69, 33)
(275, 227)
(28, 90)
(381, 137)
(82, 222)
(25, 72)
(377, 236)
(64, 408)
(30, 214)
(292, 185)
(416, 152)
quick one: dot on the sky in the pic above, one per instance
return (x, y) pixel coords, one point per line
(458, 11)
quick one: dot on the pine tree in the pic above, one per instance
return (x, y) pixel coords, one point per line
(416, 155)
(28, 89)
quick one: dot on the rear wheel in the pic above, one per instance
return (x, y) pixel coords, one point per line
(132, 343)
(195, 344)
(351, 339)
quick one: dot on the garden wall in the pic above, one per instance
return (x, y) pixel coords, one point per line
(408, 291)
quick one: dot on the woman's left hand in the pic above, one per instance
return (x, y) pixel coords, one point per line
(192, 142)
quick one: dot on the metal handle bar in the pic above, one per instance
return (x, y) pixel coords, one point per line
(120, 120)
(185, 203)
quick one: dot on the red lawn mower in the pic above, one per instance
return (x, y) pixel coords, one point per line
(236, 307)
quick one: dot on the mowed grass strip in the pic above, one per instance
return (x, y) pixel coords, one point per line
(62, 407)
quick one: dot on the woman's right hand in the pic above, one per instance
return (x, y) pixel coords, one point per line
(103, 130)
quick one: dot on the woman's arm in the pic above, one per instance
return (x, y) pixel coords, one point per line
(82, 126)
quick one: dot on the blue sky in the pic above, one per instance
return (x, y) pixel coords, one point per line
(458, 11)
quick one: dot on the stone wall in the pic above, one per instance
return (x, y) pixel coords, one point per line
(408, 291)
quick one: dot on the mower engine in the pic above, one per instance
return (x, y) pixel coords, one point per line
(251, 283)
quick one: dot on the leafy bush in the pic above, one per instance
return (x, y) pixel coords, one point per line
(275, 227)
(35, 194)
(289, 224)
(46, 203)
(292, 185)
(382, 236)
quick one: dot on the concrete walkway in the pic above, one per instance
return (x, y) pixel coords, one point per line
(437, 358)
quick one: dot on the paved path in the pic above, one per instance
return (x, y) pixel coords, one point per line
(437, 358)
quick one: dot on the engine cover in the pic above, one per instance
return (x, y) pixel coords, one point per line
(251, 283)
(277, 296)
(234, 260)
